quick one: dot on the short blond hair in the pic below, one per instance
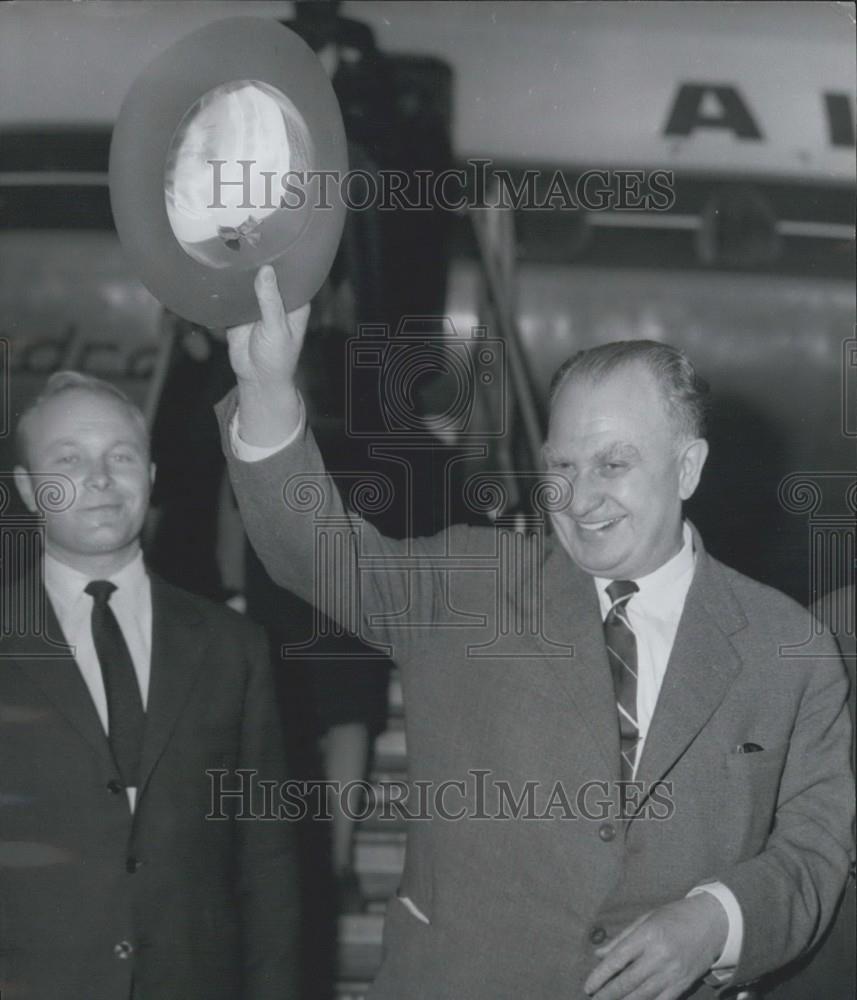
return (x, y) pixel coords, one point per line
(69, 381)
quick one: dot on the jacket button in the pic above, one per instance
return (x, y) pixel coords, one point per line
(124, 949)
(607, 832)
(598, 935)
(114, 786)
(132, 865)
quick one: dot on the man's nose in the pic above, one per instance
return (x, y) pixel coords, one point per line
(97, 476)
(585, 496)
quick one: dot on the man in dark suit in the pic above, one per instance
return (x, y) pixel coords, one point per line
(654, 679)
(121, 873)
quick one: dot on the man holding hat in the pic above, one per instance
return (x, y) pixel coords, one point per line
(658, 678)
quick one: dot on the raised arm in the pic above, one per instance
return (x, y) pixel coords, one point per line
(292, 510)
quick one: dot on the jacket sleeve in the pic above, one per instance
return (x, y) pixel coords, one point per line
(788, 892)
(311, 544)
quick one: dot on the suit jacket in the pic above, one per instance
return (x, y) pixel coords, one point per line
(91, 895)
(513, 686)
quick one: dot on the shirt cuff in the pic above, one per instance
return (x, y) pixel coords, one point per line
(254, 453)
(727, 962)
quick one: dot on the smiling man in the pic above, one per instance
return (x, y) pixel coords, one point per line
(113, 884)
(626, 427)
(657, 671)
(95, 445)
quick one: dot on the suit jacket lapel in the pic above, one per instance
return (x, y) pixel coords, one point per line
(54, 670)
(701, 667)
(572, 617)
(178, 646)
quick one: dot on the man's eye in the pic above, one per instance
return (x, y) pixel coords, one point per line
(66, 459)
(613, 468)
(122, 456)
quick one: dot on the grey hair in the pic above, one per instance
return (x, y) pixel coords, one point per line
(684, 392)
(68, 381)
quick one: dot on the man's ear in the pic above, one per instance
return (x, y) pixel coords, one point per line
(24, 484)
(152, 471)
(690, 462)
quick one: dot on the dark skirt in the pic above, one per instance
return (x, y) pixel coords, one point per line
(325, 679)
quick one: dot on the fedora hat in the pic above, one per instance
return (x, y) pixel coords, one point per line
(225, 157)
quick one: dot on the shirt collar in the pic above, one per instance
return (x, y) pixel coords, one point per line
(662, 592)
(65, 585)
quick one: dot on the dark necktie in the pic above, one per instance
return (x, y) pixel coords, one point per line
(622, 654)
(125, 715)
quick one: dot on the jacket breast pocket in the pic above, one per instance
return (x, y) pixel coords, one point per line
(758, 762)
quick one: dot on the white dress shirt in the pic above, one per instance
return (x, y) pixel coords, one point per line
(654, 613)
(131, 603)
(255, 453)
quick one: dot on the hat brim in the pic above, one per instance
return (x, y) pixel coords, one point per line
(220, 53)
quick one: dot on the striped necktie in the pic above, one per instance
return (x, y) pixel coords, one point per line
(622, 654)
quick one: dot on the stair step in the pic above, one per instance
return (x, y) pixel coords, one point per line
(359, 946)
(352, 991)
(391, 752)
(379, 859)
(379, 856)
(384, 819)
(380, 851)
(395, 722)
(388, 775)
(395, 698)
